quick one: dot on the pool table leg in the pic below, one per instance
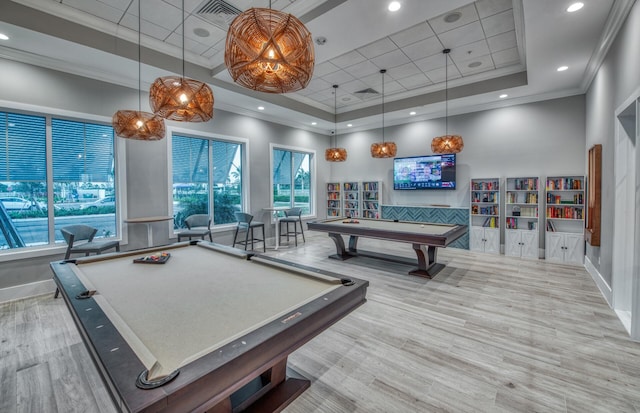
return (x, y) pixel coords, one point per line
(426, 260)
(341, 251)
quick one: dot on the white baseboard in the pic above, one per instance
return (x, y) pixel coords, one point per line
(602, 285)
(27, 290)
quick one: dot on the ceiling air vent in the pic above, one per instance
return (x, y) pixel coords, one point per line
(218, 12)
(366, 93)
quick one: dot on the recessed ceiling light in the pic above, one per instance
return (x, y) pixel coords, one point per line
(504, 95)
(575, 7)
(314, 123)
(349, 125)
(394, 6)
(4, 36)
(412, 113)
(260, 107)
(201, 32)
(452, 17)
(474, 64)
(562, 68)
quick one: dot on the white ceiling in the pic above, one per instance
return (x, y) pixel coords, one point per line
(497, 46)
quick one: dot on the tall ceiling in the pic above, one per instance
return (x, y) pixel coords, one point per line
(497, 47)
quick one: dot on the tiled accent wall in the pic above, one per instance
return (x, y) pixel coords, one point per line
(431, 214)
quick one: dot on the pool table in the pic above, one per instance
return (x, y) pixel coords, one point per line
(199, 326)
(424, 237)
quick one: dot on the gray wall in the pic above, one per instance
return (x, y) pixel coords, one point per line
(616, 79)
(536, 139)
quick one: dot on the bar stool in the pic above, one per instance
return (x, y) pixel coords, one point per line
(247, 224)
(292, 216)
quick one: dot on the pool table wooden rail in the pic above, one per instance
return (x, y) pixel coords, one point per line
(424, 244)
(210, 383)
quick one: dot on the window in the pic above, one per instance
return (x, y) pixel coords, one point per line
(292, 179)
(207, 178)
(83, 176)
(23, 181)
(82, 162)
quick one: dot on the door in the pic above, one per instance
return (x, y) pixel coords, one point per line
(512, 241)
(476, 239)
(530, 244)
(492, 240)
(574, 248)
(554, 246)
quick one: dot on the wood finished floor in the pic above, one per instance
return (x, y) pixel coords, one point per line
(487, 334)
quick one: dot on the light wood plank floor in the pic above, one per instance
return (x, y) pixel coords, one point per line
(487, 334)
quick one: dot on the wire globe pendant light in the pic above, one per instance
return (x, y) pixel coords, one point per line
(447, 143)
(136, 124)
(335, 154)
(383, 149)
(179, 98)
(269, 51)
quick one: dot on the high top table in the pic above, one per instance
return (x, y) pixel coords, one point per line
(148, 221)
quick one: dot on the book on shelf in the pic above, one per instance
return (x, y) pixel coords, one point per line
(551, 227)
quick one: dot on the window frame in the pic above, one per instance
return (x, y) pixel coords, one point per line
(119, 152)
(197, 134)
(313, 171)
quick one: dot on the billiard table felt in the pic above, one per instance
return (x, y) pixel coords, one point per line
(198, 301)
(387, 225)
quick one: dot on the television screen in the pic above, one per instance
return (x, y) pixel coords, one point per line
(425, 172)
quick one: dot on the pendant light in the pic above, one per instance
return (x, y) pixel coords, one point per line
(335, 154)
(269, 51)
(447, 143)
(179, 98)
(136, 124)
(383, 149)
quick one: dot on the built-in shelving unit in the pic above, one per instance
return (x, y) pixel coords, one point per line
(371, 191)
(484, 217)
(565, 213)
(351, 194)
(521, 217)
(334, 199)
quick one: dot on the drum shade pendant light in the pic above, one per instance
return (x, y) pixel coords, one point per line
(136, 124)
(335, 154)
(383, 149)
(180, 98)
(269, 51)
(447, 143)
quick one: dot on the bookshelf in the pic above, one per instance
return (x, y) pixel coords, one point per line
(351, 196)
(565, 213)
(484, 217)
(521, 217)
(334, 199)
(371, 191)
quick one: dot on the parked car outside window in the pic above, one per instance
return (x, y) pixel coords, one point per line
(15, 203)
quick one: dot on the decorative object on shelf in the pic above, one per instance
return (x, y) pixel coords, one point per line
(335, 154)
(269, 51)
(179, 98)
(383, 149)
(447, 143)
(594, 182)
(136, 124)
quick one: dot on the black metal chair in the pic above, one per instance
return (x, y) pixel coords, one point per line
(79, 240)
(198, 225)
(292, 216)
(247, 225)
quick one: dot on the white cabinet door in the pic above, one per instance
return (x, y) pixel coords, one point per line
(476, 239)
(492, 240)
(512, 242)
(554, 246)
(530, 244)
(574, 248)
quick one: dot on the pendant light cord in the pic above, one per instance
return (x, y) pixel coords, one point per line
(383, 71)
(335, 116)
(139, 57)
(446, 91)
(183, 24)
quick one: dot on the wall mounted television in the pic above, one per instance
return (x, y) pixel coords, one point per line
(425, 172)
